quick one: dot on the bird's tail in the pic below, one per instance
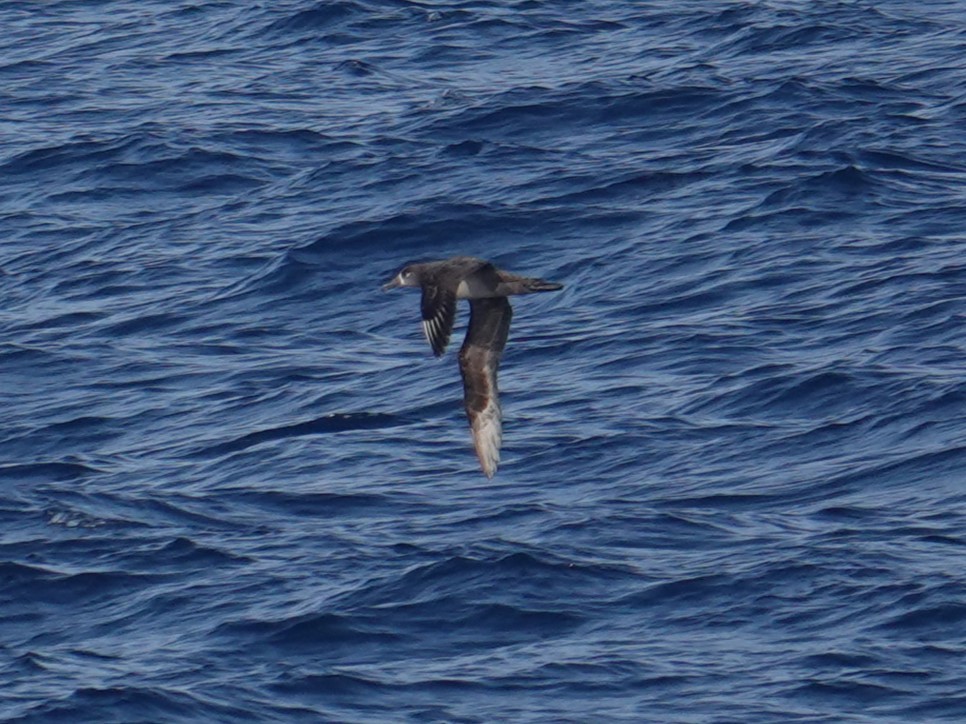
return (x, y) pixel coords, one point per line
(541, 285)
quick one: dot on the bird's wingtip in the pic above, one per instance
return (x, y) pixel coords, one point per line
(489, 460)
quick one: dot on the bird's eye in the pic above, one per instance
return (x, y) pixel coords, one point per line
(407, 273)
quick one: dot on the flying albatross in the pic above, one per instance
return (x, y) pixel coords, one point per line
(487, 288)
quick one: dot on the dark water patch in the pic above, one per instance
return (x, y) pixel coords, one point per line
(272, 142)
(332, 423)
(311, 631)
(849, 692)
(202, 56)
(464, 148)
(524, 111)
(76, 155)
(940, 619)
(46, 471)
(104, 704)
(185, 511)
(476, 625)
(181, 553)
(520, 571)
(943, 539)
(907, 469)
(221, 184)
(17, 575)
(678, 592)
(842, 661)
(640, 185)
(307, 504)
(794, 597)
(497, 619)
(70, 320)
(804, 394)
(144, 323)
(23, 584)
(410, 230)
(781, 37)
(357, 68)
(891, 160)
(173, 169)
(321, 17)
(721, 501)
(847, 185)
(334, 684)
(848, 513)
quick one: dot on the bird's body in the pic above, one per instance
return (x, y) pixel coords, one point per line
(487, 289)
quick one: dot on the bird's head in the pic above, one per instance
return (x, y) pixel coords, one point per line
(407, 277)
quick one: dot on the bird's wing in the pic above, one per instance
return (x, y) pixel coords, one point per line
(439, 311)
(479, 363)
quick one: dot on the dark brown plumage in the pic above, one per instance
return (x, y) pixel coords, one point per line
(487, 288)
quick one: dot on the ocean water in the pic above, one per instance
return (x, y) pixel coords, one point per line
(236, 486)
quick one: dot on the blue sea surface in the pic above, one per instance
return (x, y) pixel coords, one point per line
(235, 485)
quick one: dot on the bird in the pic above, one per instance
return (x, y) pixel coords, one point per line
(487, 288)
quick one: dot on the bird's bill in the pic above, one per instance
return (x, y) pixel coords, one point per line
(391, 284)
